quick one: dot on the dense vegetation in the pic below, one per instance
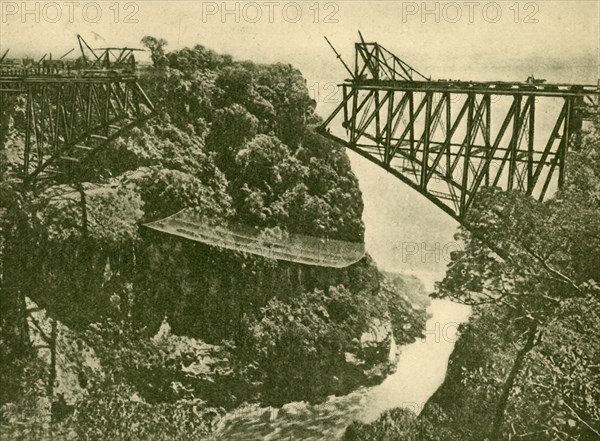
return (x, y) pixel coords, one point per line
(232, 141)
(526, 364)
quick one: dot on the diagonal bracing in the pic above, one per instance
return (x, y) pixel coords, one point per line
(71, 112)
(448, 139)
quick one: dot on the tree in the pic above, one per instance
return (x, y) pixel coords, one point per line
(157, 50)
(230, 129)
(15, 345)
(166, 192)
(544, 269)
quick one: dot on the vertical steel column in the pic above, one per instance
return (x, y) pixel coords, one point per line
(40, 139)
(28, 122)
(564, 144)
(59, 98)
(107, 108)
(74, 97)
(345, 98)
(354, 116)
(488, 135)
(377, 118)
(388, 133)
(531, 144)
(514, 143)
(427, 138)
(467, 157)
(448, 111)
(411, 113)
(88, 112)
(356, 60)
(3, 165)
(449, 133)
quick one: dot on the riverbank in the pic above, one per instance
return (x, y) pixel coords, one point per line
(420, 370)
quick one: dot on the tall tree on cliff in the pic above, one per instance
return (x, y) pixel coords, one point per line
(157, 50)
(549, 266)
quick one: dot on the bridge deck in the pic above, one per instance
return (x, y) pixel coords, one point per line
(493, 87)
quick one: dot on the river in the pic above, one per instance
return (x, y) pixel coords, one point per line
(420, 371)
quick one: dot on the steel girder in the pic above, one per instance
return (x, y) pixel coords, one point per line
(67, 119)
(73, 108)
(448, 139)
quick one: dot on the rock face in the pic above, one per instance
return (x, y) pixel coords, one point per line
(222, 287)
(56, 345)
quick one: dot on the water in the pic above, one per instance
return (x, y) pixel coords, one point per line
(420, 371)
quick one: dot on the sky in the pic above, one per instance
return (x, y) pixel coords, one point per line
(476, 40)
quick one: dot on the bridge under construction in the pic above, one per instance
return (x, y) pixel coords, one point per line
(447, 139)
(73, 109)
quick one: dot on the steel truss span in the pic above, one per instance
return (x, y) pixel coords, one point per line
(74, 110)
(447, 139)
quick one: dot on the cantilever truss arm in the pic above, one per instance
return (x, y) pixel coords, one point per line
(68, 119)
(448, 139)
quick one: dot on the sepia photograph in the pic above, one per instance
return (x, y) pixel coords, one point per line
(312, 220)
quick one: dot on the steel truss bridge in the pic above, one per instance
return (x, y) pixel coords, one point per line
(447, 139)
(73, 109)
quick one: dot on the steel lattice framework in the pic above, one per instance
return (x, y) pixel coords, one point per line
(447, 139)
(72, 111)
